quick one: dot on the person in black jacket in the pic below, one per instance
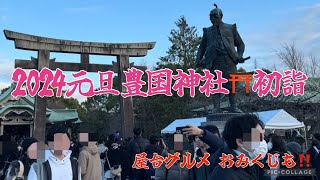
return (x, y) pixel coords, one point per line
(215, 131)
(138, 145)
(8, 153)
(243, 135)
(314, 154)
(116, 157)
(211, 136)
(207, 140)
(295, 149)
(158, 146)
(277, 145)
(75, 147)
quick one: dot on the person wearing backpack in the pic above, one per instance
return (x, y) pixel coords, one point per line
(8, 153)
(58, 165)
(20, 168)
(102, 149)
(137, 146)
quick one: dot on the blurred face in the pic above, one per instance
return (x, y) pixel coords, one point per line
(178, 142)
(252, 141)
(84, 140)
(61, 142)
(32, 151)
(83, 137)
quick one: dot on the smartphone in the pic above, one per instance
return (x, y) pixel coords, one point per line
(179, 130)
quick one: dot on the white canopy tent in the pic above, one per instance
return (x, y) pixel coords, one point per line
(274, 119)
(171, 128)
(279, 119)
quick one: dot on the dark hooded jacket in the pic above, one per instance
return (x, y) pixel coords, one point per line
(314, 160)
(152, 148)
(137, 146)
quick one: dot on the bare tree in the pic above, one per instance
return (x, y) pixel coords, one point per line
(292, 57)
(255, 63)
(314, 66)
(274, 67)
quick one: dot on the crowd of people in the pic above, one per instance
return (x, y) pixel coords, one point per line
(87, 156)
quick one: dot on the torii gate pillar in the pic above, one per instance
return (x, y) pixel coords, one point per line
(126, 104)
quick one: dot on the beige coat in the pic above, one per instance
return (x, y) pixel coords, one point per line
(89, 162)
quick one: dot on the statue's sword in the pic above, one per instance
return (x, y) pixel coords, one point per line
(244, 59)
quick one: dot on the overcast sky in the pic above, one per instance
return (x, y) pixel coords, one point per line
(264, 26)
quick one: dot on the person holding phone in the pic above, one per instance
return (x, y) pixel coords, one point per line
(211, 138)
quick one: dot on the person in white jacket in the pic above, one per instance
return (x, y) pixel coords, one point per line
(58, 164)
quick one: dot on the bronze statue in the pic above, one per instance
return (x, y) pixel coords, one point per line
(217, 52)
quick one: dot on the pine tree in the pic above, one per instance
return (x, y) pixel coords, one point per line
(184, 45)
(156, 112)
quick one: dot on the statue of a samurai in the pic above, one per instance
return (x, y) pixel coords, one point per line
(217, 52)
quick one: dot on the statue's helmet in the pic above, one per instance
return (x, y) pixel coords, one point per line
(216, 12)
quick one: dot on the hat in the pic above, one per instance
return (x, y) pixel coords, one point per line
(27, 142)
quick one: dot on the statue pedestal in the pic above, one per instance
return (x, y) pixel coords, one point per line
(219, 119)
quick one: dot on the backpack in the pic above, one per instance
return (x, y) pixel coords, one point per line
(12, 172)
(137, 143)
(74, 166)
(136, 149)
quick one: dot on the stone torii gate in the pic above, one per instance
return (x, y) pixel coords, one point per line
(46, 45)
